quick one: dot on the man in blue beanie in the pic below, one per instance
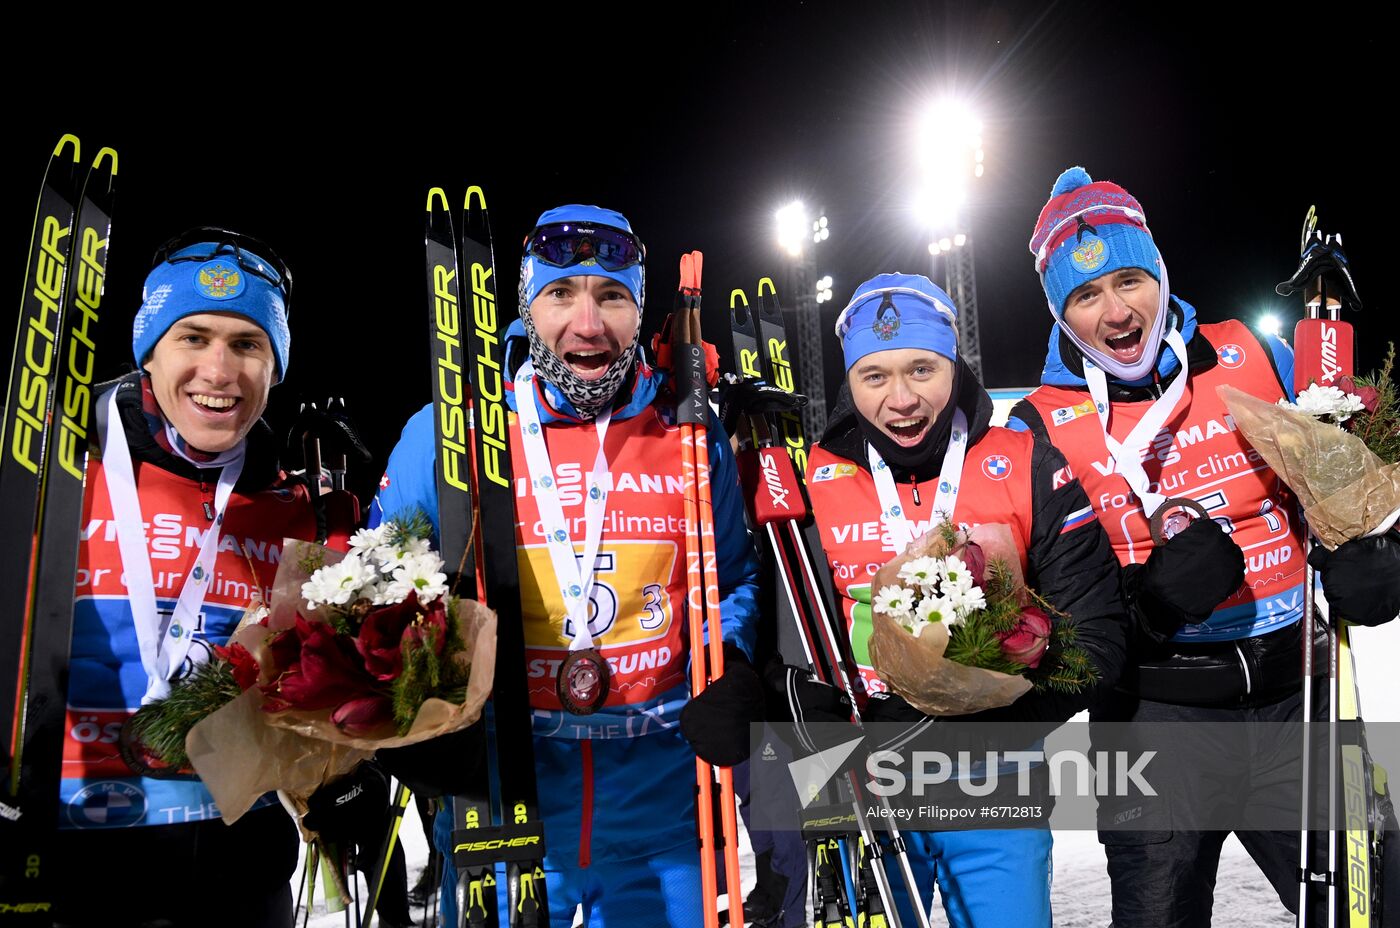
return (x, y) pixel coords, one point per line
(1128, 395)
(616, 776)
(909, 446)
(184, 449)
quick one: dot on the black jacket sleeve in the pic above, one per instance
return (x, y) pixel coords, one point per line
(1077, 572)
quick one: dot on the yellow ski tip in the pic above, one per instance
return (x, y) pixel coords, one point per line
(67, 139)
(480, 196)
(737, 297)
(106, 154)
(440, 194)
(769, 282)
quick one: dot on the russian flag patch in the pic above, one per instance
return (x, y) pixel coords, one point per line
(1077, 518)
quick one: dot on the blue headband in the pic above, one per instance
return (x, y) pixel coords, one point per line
(892, 311)
(176, 289)
(535, 274)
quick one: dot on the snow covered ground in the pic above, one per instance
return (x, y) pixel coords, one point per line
(1080, 893)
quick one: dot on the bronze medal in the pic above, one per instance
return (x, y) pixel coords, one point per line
(583, 681)
(1173, 516)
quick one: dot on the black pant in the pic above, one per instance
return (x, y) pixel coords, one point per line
(200, 875)
(1163, 866)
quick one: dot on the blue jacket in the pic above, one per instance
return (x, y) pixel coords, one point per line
(409, 481)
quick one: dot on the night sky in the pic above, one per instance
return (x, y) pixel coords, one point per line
(1225, 125)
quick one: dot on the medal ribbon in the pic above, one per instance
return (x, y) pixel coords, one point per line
(573, 573)
(163, 646)
(1127, 454)
(949, 475)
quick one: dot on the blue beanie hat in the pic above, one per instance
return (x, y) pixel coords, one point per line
(1087, 230)
(178, 288)
(898, 311)
(535, 274)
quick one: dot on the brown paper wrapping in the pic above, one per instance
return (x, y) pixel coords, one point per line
(241, 752)
(1346, 491)
(915, 668)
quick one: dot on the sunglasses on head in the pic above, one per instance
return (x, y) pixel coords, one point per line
(251, 254)
(561, 244)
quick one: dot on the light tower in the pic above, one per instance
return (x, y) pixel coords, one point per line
(950, 156)
(798, 234)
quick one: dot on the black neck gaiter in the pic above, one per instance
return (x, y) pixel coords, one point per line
(924, 460)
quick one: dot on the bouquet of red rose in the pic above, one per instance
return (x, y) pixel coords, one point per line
(358, 651)
(956, 630)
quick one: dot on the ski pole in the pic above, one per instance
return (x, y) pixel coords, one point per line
(692, 412)
(1324, 354)
(380, 868)
(829, 639)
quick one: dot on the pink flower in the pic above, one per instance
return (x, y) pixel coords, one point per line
(364, 715)
(1369, 396)
(976, 561)
(1027, 641)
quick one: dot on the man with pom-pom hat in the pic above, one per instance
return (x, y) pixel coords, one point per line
(1128, 395)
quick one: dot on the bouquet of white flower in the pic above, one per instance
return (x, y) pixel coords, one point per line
(1337, 448)
(956, 629)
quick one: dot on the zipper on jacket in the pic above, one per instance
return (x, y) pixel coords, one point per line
(1244, 668)
(207, 493)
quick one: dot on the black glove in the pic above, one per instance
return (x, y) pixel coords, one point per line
(1184, 580)
(1361, 578)
(897, 722)
(351, 809)
(808, 715)
(747, 397)
(716, 722)
(447, 765)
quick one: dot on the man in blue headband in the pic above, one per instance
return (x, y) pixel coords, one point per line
(1128, 395)
(183, 448)
(616, 775)
(909, 445)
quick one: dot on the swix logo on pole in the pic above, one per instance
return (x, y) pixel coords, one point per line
(777, 493)
(1330, 367)
(777, 496)
(1322, 353)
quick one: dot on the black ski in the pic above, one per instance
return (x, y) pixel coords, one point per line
(518, 838)
(824, 644)
(49, 414)
(456, 522)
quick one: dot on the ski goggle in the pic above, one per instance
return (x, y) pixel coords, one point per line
(562, 244)
(251, 254)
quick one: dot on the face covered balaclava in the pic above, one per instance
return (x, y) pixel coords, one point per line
(577, 241)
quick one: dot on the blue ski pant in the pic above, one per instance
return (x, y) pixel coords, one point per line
(987, 878)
